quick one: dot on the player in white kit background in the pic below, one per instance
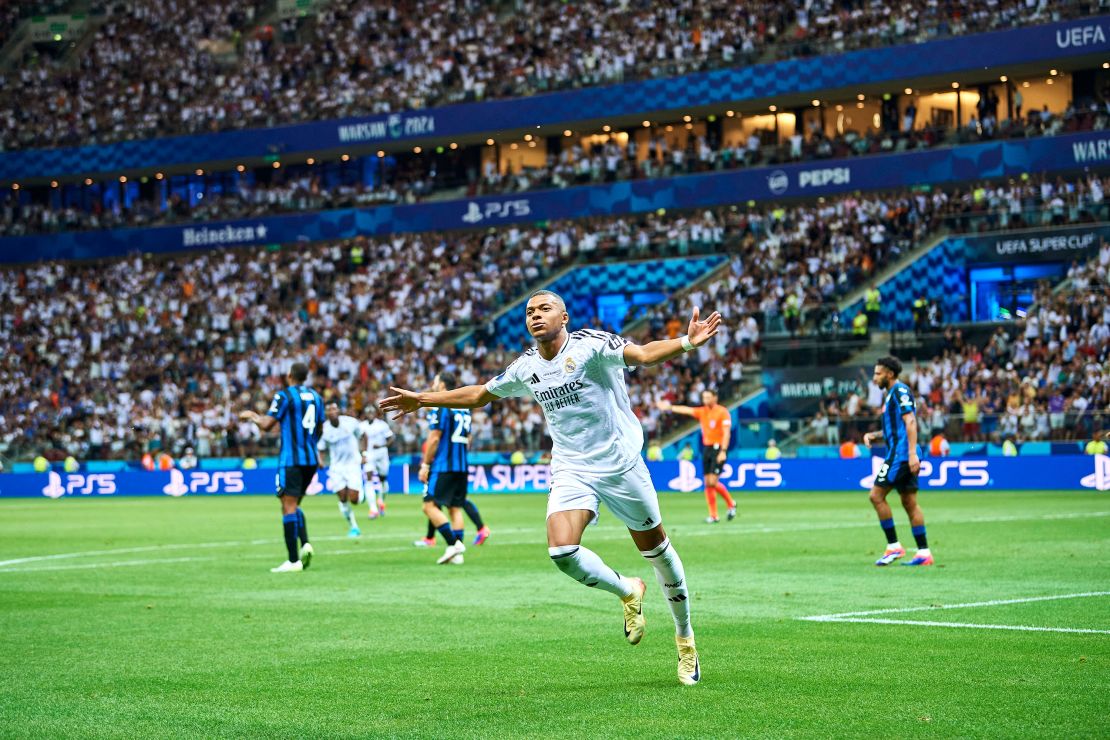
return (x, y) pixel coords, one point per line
(376, 435)
(340, 443)
(578, 380)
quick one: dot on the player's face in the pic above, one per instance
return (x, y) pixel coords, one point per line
(883, 377)
(708, 399)
(332, 412)
(545, 317)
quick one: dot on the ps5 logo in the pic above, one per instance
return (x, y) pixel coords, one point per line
(687, 479)
(949, 473)
(475, 213)
(1100, 479)
(99, 483)
(764, 475)
(228, 481)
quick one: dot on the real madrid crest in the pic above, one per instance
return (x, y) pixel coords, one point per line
(569, 366)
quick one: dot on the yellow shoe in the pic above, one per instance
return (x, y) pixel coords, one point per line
(689, 669)
(634, 621)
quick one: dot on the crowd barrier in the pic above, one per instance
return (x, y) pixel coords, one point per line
(1071, 472)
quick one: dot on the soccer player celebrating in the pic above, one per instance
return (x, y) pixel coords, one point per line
(299, 410)
(578, 379)
(903, 461)
(340, 445)
(716, 427)
(376, 433)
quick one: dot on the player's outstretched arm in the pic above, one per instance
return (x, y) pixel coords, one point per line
(406, 402)
(674, 408)
(265, 423)
(662, 350)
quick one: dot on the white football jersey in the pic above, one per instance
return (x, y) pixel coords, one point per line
(584, 399)
(377, 433)
(341, 442)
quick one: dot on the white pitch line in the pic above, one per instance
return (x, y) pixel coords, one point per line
(740, 529)
(964, 625)
(969, 605)
(116, 564)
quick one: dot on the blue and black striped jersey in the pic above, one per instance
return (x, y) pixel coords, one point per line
(450, 455)
(898, 401)
(300, 413)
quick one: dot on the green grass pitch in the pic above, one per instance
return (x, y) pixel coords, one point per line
(159, 617)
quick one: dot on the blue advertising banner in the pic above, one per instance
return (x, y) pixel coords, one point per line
(808, 179)
(1067, 472)
(1052, 41)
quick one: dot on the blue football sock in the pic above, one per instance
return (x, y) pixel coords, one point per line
(458, 534)
(289, 524)
(448, 535)
(302, 528)
(919, 537)
(888, 530)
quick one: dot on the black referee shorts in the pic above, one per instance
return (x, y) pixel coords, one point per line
(709, 463)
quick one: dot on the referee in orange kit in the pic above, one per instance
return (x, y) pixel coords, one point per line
(716, 426)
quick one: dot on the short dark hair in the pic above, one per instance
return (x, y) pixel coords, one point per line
(332, 402)
(299, 372)
(555, 296)
(709, 390)
(891, 363)
(448, 378)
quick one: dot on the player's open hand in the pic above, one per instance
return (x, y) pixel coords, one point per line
(700, 332)
(405, 402)
(663, 405)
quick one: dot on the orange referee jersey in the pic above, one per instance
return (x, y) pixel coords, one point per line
(715, 422)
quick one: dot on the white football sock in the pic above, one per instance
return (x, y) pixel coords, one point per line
(586, 567)
(672, 579)
(348, 514)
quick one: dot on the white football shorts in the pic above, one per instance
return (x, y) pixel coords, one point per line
(345, 476)
(630, 495)
(377, 461)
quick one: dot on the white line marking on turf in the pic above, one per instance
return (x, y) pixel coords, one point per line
(968, 625)
(616, 534)
(968, 605)
(864, 617)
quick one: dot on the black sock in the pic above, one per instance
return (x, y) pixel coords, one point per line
(431, 531)
(919, 537)
(302, 528)
(448, 534)
(472, 512)
(289, 524)
(888, 530)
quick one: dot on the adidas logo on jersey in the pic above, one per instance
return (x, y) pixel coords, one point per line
(534, 380)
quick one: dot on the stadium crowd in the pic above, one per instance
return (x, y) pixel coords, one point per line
(418, 177)
(113, 359)
(155, 68)
(1046, 376)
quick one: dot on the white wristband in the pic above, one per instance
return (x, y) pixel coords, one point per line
(687, 345)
